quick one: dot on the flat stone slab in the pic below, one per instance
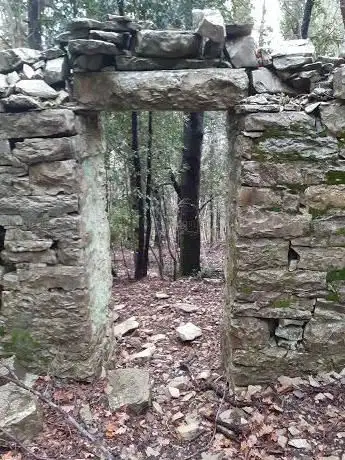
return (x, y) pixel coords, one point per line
(129, 387)
(188, 90)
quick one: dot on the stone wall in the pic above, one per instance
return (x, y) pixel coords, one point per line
(286, 125)
(54, 241)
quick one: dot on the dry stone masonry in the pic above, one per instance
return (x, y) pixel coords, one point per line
(286, 134)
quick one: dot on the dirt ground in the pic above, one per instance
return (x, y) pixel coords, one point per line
(292, 419)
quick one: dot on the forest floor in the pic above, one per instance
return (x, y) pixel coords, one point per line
(291, 419)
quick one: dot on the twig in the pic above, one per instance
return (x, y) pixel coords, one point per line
(98, 444)
(9, 436)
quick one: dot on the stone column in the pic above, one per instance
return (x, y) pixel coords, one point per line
(286, 255)
(55, 258)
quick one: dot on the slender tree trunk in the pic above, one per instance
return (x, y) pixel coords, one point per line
(211, 221)
(342, 9)
(34, 24)
(188, 222)
(138, 201)
(218, 236)
(121, 7)
(157, 218)
(262, 25)
(308, 8)
(148, 195)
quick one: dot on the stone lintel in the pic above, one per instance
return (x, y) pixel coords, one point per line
(187, 90)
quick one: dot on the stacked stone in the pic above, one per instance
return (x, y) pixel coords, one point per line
(125, 45)
(52, 229)
(30, 79)
(287, 251)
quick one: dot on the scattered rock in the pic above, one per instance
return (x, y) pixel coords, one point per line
(233, 416)
(36, 88)
(86, 414)
(162, 295)
(188, 332)
(186, 307)
(207, 456)
(181, 382)
(299, 443)
(54, 71)
(204, 375)
(144, 354)
(174, 392)
(126, 326)
(129, 387)
(282, 441)
(189, 430)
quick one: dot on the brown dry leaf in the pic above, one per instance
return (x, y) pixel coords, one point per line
(63, 395)
(111, 429)
(264, 430)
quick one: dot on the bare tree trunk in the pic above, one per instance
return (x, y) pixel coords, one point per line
(218, 236)
(308, 8)
(121, 7)
(148, 195)
(188, 221)
(34, 24)
(342, 9)
(262, 26)
(138, 201)
(211, 221)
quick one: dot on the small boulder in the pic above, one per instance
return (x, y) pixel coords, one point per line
(126, 326)
(293, 54)
(162, 295)
(189, 430)
(20, 414)
(144, 354)
(36, 88)
(242, 52)
(186, 307)
(129, 387)
(265, 81)
(54, 71)
(209, 23)
(188, 332)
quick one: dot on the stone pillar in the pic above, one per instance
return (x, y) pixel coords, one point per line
(286, 257)
(55, 258)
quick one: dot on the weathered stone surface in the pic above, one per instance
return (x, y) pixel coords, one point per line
(238, 30)
(292, 54)
(326, 337)
(20, 414)
(135, 63)
(28, 72)
(56, 228)
(300, 282)
(264, 253)
(314, 258)
(122, 328)
(39, 208)
(209, 23)
(298, 121)
(327, 310)
(36, 88)
(189, 430)
(6, 157)
(52, 53)
(92, 47)
(324, 197)
(339, 82)
(298, 148)
(249, 332)
(265, 81)
(32, 151)
(11, 59)
(256, 174)
(188, 332)
(254, 223)
(242, 52)
(54, 71)
(168, 44)
(129, 387)
(17, 240)
(112, 37)
(273, 305)
(50, 122)
(71, 252)
(4, 85)
(177, 89)
(213, 50)
(291, 332)
(265, 198)
(20, 102)
(92, 63)
(46, 257)
(54, 177)
(333, 117)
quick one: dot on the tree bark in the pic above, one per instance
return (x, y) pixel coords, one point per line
(34, 24)
(188, 222)
(342, 9)
(308, 8)
(138, 201)
(121, 7)
(148, 195)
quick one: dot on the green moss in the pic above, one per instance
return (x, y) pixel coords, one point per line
(274, 209)
(335, 275)
(340, 231)
(281, 303)
(22, 344)
(333, 297)
(315, 213)
(246, 290)
(335, 177)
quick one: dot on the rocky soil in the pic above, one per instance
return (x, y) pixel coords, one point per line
(301, 418)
